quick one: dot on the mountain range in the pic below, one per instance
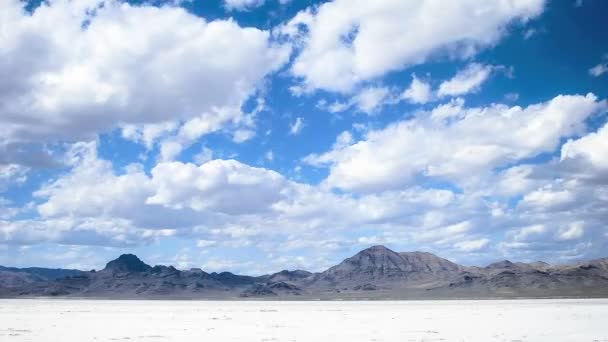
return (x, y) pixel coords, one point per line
(374, 273)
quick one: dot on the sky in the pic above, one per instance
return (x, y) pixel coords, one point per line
(258, 135)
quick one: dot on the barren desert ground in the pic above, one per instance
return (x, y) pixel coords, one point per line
(218, 321)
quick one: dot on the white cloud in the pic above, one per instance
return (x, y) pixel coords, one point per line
(546, 198)
(169, 150)
(85, 190)
(242, 5)
(599, 70)
(465, 81)
(347, 42)
(7, 210)
(593, 148)
(241, 124)
(448, 111)
(237, 205)
(334, 107)
(224, 186)
(296, 127)
(515, 180)
(230, 202)
(418, 91)
(147, 134)
(71, 230)
(205, 155)
(242, 135)
(206, 243)
(530, 232)
(65, 82)
(472, 142)
(11, 174)
(472, 245)
(370, 99)
(574, 231)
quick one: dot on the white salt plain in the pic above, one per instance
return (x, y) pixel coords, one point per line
(218, 321)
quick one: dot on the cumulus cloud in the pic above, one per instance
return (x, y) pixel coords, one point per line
(225, 201)
(230, 204)
(418, 91)
(68, 77)
(345, 42)
(460, 143)
(465, 81)
(575, 230)
(242, 5)
(208, 187)
(369, 99)
(472, 245)
(592, 148)
(547, 197)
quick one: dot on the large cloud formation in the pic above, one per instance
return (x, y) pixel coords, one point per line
(454, 142)
(346, 42)
(73, 69)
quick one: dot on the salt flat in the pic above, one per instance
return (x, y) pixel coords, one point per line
(217, 321)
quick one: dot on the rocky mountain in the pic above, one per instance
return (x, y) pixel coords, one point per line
(374, 273)
(506, 278)
(379, 267)
(127, 263)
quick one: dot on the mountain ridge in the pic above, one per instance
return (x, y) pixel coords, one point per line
(376, 272)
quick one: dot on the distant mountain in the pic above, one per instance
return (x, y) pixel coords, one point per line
(536, 279)
(373, 273)
(379, 265)
(44, 273)
(9, 279)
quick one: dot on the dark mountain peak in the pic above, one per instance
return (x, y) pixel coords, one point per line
(127, 263)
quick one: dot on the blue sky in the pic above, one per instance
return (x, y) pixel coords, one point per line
(253, 136)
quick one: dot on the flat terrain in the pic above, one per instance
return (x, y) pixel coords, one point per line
(458, 320)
